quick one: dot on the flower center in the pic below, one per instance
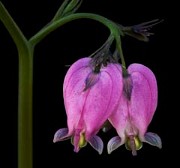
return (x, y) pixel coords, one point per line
(133, 143)
(79, 141)
(82, 140)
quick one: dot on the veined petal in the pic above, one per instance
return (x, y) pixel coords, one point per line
(61, 135)
(143, 98)
(103, 98)
(73, 91)
(119, 118)
(149, 76)
(153, 139)
(96, 142)
(140, 104)
(75, 67)
(114, 143)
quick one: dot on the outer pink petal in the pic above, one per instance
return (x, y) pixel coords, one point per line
(78, 65)
(140, 103)
(74, 97)
(144, 97)
(138, 112)
(152, 83)
(119, 118)
(103, 98)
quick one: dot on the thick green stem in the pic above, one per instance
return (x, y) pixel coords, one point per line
(25, 52)
(25, 134)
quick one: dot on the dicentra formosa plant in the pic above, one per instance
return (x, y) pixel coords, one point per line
(99, 88)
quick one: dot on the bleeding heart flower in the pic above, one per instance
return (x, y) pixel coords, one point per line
(137, 105)
(91, 93)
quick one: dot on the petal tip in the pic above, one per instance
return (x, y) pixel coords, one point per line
(153, 139)
(96, 143)
(60, 135)
(113, 144)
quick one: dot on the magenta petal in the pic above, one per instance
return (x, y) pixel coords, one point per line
(151, 85)
(136, 109)
(119, 118)
(143, 98)
(76, 139)
(153, 139)
(74, 96)
(96, 143)
(103, 98)
(61, 134)
(90, 98)
(113, 144)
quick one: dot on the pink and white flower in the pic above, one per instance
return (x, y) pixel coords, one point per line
(137, 105)
(90, 97)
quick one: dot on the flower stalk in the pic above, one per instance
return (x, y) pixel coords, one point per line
(25, 53)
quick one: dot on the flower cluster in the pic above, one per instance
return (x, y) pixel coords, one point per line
(96, 90)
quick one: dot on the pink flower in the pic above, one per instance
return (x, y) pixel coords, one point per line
(91, 94)
(137, 105)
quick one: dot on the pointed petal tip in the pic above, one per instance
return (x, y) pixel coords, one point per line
(60, 135)
(113, 144)
(109, 151)
(96, 143)
(134, 153)
(76, 149)
(55, 140)
(153, 139)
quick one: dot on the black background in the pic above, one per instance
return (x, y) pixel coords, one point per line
(64, 46)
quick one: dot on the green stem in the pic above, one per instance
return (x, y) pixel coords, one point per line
(58, 23)
(13, 29)
(119, 48)
(25, 52)
(25, 111)
(114, 29)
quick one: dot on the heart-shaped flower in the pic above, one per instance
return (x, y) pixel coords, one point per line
(91, 95)
(137, 105)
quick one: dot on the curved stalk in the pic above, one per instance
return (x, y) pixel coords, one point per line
(58, 23)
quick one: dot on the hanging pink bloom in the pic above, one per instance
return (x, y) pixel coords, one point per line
(136, 109)
(91, 94)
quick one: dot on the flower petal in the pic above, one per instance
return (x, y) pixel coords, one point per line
(75, 67)
(153, 139)
(113, 144)
(119, 118)
(149, 76)
(96, 142)
(103, 98)
(61, 135)
(74, 96)
(143, 98)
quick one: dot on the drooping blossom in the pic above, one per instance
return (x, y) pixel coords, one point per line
(91, 93)
(137, 105)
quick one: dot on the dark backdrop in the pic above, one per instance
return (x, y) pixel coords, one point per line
(64, 46)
